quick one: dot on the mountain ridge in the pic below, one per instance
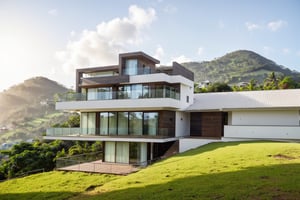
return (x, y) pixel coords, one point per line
(24, 100)
(238, 66)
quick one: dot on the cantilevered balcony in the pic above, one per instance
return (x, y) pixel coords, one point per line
(94, 134)
(121, 100)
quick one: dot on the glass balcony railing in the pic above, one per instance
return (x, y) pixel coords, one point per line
(113, 95)
(135, 132)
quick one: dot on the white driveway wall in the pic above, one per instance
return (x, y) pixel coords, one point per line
(266, 117)
(182, 124)
(262, 132)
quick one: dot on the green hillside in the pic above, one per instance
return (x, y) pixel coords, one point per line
(27, 108)
(233, 170)
(238, 66)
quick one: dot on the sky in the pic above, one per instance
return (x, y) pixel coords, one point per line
(52, 38)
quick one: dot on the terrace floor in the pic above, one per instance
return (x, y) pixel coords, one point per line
(102, 167)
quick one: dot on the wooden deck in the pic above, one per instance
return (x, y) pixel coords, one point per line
(102, 167)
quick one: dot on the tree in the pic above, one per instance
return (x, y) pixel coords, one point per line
(287, 83)
(219, 87)
(271, 82)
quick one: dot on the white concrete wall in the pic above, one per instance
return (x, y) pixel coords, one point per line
(160, 77)
(262, 132)
(186, 90)
(266, 117)
(182, 124)
(120, 104)
(186, 144)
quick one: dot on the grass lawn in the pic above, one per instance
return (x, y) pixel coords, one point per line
(233, 170)
(247, 170)
(51, 185)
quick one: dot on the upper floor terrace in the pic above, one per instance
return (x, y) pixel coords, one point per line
(130, 65)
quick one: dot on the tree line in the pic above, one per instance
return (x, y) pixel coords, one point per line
(25, 157)
(271, 82)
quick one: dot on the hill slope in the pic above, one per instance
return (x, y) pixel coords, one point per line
(231, 170)
(23, 101)
(238, 66)
(22, 110)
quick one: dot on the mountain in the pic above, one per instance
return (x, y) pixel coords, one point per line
(22, 104)
(238, 66)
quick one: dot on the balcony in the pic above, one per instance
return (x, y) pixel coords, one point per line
(166, 98)
(94, 134)
(112, 95)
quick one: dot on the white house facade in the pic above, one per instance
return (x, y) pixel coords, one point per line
(142, 112)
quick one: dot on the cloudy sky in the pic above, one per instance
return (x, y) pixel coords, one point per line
(51, 38)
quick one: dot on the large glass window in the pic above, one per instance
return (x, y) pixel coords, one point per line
(112, 123)
(88, 123)
(150, 123)
(122, 123)
(109, 152)
(131, 67)
(136, 123)
(138, 153)
(122, 152)
(104, 123)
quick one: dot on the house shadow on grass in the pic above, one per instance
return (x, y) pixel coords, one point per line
(37, 195)
(272, 182)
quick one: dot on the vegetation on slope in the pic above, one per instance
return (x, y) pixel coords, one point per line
(238, 66)
(51, 185)
(234, 170)
(27, 109)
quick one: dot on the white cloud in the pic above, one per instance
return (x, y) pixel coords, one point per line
(298, 53)
(275, 25)
(102, 46)
(159, 53)
(221, 24)
(200, 51)
(285, 50)
(181, 59)
(53, 12)
(267, 50)
(252, 26)
(170, 9)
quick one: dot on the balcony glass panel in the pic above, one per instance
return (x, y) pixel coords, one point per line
(136, 91)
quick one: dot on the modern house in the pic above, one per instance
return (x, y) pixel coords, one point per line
(142, 112)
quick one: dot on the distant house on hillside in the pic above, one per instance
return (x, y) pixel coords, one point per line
(142, 113)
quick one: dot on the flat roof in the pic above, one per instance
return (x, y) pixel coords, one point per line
(268, 99)
(139, 54)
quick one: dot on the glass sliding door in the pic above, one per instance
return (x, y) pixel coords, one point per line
(104, 123)
(88, 123)
(134, 152)
(84, 123)
(136, 123)
(123, 123)
(143, 154)
(92, 123)
(112, 123)
(110, 152)
(150, 123)
(122, 152)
